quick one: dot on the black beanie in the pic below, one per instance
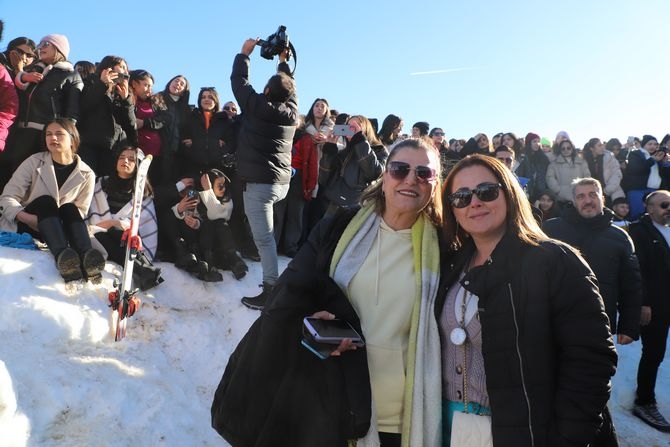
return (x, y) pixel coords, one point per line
(423, 127)
(646, 139)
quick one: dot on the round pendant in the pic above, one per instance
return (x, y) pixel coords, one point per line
(458, 336)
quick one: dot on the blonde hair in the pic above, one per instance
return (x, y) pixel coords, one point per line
(368, 130)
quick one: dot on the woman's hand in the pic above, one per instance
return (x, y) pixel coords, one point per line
(28, 219)
(192, 222)
(186, 204)
(345, 345)
(32, 77)
(205, 182)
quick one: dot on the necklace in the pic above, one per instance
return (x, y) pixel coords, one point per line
(458, 334)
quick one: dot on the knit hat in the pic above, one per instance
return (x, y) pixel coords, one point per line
(530, 136)
(545, 142)
(646, 139)
(59, 41)
(563, 134)
(422, 126)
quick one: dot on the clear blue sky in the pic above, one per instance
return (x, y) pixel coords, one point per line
(595, 68)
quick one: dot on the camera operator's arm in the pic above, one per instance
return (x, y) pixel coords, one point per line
(248, 46)
(239, 79)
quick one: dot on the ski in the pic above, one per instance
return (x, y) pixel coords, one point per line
(123, 300)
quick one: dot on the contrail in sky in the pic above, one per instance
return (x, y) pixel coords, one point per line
(446, 70)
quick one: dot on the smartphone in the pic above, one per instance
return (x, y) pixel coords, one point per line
(331, 331)
(343, 130)
(321, 350)
(120, 78)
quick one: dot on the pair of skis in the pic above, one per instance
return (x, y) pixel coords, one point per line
(123, 300)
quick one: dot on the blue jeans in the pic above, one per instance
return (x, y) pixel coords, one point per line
(259, 199)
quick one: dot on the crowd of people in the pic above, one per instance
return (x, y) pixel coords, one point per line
(423, 244)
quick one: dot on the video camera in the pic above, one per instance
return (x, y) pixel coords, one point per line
(274, 44)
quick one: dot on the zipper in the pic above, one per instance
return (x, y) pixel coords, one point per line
(518, 352)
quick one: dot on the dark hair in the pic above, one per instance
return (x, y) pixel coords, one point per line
(86, 68)
(612, 143)
(519, 219)
(14, 43)
(342, 118)
(211, 90)
(213, 174)
(423, 127)
(139, 155)
(109, 62)
(503, 148)
(140, 75)
(375, 193)
(69, 127)
(280, 87)
(389, 126)
(557, 149)
(309, 118)
(516, 146)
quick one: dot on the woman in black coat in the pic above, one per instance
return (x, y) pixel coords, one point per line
(525, 337)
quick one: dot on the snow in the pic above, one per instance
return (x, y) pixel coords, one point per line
(65, 382)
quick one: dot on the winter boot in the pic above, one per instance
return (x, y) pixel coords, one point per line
(258, 302)
(208, 273)
(92, 261)
(237, 265)
(184, 259)
(145, 274)
(67, 259)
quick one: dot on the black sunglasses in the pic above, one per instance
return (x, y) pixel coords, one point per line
(486, 192)
(398, 170)
(665, 205)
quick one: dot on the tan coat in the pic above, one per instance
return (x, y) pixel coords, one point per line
(36, 177)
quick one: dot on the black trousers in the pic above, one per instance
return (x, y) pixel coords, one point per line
(654, 339)
(44, 207)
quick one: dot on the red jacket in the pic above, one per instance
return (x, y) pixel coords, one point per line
(305, 158)
(9, 105)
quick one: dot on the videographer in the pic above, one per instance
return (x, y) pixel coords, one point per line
(264, 154)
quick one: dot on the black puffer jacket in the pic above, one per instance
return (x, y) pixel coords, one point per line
(548, 353)
(610, 253)
(654, 255)
(56, 96)
(266, 134)
(274, 392)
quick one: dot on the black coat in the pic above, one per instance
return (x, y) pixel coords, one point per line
(636, 174)
(654, 255)
(610, 253)
(266, 135)
(274, 392)
(548, 353)
(205, 151)
(534, 167)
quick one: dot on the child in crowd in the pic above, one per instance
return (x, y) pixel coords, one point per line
(547, 204)
(621, 213)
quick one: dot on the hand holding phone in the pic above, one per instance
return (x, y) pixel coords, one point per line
(331, 331)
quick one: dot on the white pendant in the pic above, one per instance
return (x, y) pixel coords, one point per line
(458, 336)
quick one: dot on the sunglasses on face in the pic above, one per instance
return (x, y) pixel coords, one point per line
(438, 134)
(399, 170)
(486, 192)
(664, 205)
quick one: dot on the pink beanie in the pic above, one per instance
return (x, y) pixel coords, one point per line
(60, 42)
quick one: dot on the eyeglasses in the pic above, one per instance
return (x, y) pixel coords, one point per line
(229, 109)
(664, 205)
(44, 44)
(486, 192)
(438, 134)
(398, 170)
(24, 53)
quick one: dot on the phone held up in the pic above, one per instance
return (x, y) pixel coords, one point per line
(343, 130)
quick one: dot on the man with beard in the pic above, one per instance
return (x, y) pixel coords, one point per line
(587, 226)
(651, 235)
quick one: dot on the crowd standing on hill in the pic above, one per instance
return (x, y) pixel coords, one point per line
(253, 178)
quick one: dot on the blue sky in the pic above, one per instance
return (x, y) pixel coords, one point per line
(595, 68)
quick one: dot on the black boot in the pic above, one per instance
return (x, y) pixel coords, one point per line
(237, 265)
(184, 259)
(92, 261)
(67, 259)
(207, 270)
(145, 274)
(258, 302)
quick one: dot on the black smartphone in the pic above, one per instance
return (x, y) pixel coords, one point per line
(331, 331)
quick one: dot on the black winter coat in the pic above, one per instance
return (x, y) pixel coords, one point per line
(610, 253)
(205, 151)
(56, 96)
(548, 353)
(654, 255)
(266, 135)
(107, 122)
(636, 174)
(534, 167)
(274, 392)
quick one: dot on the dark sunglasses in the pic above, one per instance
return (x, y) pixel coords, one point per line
(398, 170)
(665, 205)
(439, 134)
(486, 192)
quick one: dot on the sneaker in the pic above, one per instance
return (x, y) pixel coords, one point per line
(649, 414)
(258, 302)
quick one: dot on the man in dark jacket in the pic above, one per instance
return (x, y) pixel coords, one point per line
(651, 236)
(264, 155)
(587, 226)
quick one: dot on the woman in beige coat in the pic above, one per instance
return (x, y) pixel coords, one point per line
(48, 197)
(563, 169)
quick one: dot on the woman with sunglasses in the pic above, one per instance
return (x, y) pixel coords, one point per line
(20, 53)
(375, 267)
(48, 89)
(563, 169)
(345, 173)
(525, 337)
(110, 214)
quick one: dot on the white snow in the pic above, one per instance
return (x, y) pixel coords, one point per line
(65, 382)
